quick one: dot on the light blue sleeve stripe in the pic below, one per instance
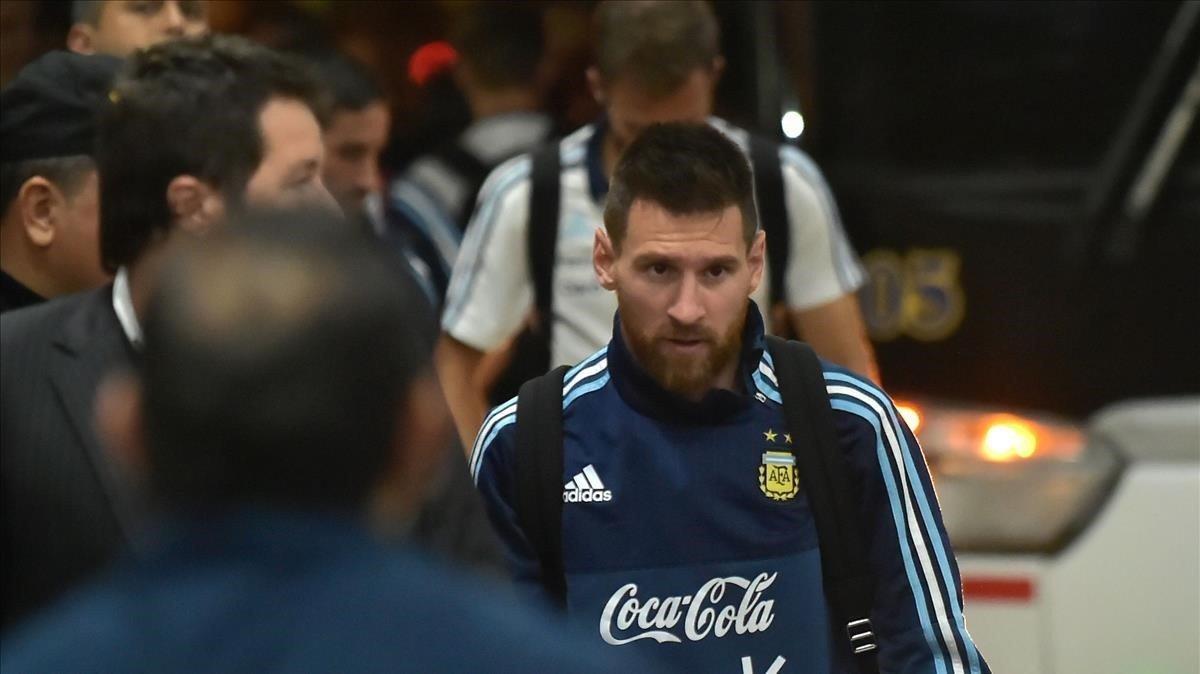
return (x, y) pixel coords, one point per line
(590, 360)
(491, 436)
(429, 216)
(926, 511)
(478, 449)
(478, 234)
(445, 256)
(765, 387)
(584, 389)
(572, 155)
(889, 480)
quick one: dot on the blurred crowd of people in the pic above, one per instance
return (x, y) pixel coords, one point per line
(242, 319)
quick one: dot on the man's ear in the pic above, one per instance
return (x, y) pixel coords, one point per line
(194, 205)
(81, 39)
(604, 257)
(41, 204)
(596, 85)
(119, 421)
(718, 69)
(755, 258)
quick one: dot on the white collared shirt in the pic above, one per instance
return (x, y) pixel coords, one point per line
(123, 305)
(491, 290)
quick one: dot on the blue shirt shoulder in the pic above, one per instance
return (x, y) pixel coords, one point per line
(279, 603)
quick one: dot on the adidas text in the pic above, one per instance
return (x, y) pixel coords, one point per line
(588, 496)
(586, 487)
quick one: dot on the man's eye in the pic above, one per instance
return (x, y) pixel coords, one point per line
(658, 269)
(303, 183)
(192, 9)
(717, 272)
(145, 7)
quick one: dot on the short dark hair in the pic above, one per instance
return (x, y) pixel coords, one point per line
(501, 42)
(67, 173)
(657, 43)
(349, 85)
(86, 11)
(278, 352)
(185, 107)
(686, 168)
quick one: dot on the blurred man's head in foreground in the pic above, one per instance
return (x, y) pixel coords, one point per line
(682, 250)
(198, 127)
(359, 123)
(120, 27)
(286, 365)
(654, 61)
(49, 198)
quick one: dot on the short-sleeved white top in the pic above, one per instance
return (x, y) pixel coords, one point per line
(491, 290)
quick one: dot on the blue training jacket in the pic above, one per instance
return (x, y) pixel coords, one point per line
(687, 537)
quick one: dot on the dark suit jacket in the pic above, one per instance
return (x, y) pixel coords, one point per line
(67, 510)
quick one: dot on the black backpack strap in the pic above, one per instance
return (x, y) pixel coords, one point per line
(544, 201)
(849, 583)
(772, 213)
(539, 466)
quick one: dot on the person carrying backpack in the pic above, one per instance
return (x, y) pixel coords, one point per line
(711, 498)
(523, 287)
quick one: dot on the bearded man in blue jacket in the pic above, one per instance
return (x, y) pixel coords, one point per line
(673, 543)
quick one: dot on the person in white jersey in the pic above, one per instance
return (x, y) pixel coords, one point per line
(653, 62)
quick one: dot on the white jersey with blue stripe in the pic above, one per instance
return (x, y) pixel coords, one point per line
(491, 291)
(687, 536)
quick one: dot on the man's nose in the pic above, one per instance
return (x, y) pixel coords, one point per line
(172, 18)
(688, 306)
(322, 199)
(369, 179)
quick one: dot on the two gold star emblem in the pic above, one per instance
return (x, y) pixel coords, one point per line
(770, 436)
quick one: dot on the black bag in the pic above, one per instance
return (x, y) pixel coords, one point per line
(848, 581)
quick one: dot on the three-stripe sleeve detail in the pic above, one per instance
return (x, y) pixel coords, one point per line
(474, 246)
(926, 558)
(765, 381)
(589, 375)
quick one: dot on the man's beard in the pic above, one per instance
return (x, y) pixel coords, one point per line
(690, 376)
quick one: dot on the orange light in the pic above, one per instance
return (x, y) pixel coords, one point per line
(1008, 439)
(910, 414)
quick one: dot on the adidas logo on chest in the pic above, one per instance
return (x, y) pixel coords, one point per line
(586, 487)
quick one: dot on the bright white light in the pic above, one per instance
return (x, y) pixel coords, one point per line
(793, 124)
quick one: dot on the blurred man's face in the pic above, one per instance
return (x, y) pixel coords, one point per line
(630, 109)
(682, 285)
(353, 142)
(293, 155)
(124, 26)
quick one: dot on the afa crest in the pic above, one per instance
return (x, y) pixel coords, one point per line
(777, 477)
